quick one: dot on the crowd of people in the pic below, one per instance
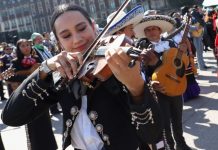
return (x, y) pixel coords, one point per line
(131, 108)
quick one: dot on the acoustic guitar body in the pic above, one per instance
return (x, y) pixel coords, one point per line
(171, 73)
(199, 32)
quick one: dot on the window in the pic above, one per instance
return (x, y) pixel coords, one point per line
(112, 5)
(7, 25)
(55, 3)
(157, 4)
(25, 9)
(72, 2)
(13, 23)
(36, 29)
(20, 21)
(44, 28)
(82, 3)
(18, 11)
(47, 6)
(92, 8)
(35, 22)
(29, 28)
(22, 29)
(28, 20)
(91, 2)
(33, 8)
(4, 15)
(11, 12)
(49, 22)
(102, 5)
(121, 1)
(40, 8)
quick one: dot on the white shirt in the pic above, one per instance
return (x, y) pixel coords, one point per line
(161, 46)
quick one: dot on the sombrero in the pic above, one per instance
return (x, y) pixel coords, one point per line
(150, 12)
(125, 19)
(165, 23)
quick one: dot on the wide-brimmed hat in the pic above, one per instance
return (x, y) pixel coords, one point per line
(165, 23)
(150, 12)
(125, 19)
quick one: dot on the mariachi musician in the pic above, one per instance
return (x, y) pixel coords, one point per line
(119, 113)
(149, 31)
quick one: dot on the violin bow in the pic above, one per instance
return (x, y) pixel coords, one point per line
(92, 47)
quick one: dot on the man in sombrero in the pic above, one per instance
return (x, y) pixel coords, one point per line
(149, 31)
(124, 22)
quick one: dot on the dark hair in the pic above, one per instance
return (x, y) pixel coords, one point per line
(65, 8)
(19, 54)
(195, 6)
(44, 33)
(184, 10)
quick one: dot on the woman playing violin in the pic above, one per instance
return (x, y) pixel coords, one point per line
(120, 113)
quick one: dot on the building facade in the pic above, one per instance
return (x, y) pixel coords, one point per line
(35, 15)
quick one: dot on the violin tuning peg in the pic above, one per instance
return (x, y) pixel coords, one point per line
(134, 56)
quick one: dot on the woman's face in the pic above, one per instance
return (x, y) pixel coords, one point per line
(25, 48)
(74, 32)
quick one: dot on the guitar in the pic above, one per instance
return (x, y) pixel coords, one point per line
(171, 73)
(198, 32)
(10, 72)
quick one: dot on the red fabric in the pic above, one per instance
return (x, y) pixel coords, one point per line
(214, 22)
(28, 62)
(216, 46)
(216, 40)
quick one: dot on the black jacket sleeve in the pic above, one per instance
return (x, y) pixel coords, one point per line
(146, 117)
(28, 101)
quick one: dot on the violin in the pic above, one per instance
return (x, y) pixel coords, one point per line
(96, 66)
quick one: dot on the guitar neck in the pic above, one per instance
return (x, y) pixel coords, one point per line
(186, 30)
(184, 36)
(170, 36)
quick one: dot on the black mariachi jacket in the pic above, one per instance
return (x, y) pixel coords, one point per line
(125, 125)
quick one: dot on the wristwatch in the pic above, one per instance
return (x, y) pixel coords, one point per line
(44, 67)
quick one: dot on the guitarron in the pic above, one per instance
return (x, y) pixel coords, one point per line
(171, 73)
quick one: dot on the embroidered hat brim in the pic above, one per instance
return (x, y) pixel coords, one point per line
(165, 23)
(132, 17)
